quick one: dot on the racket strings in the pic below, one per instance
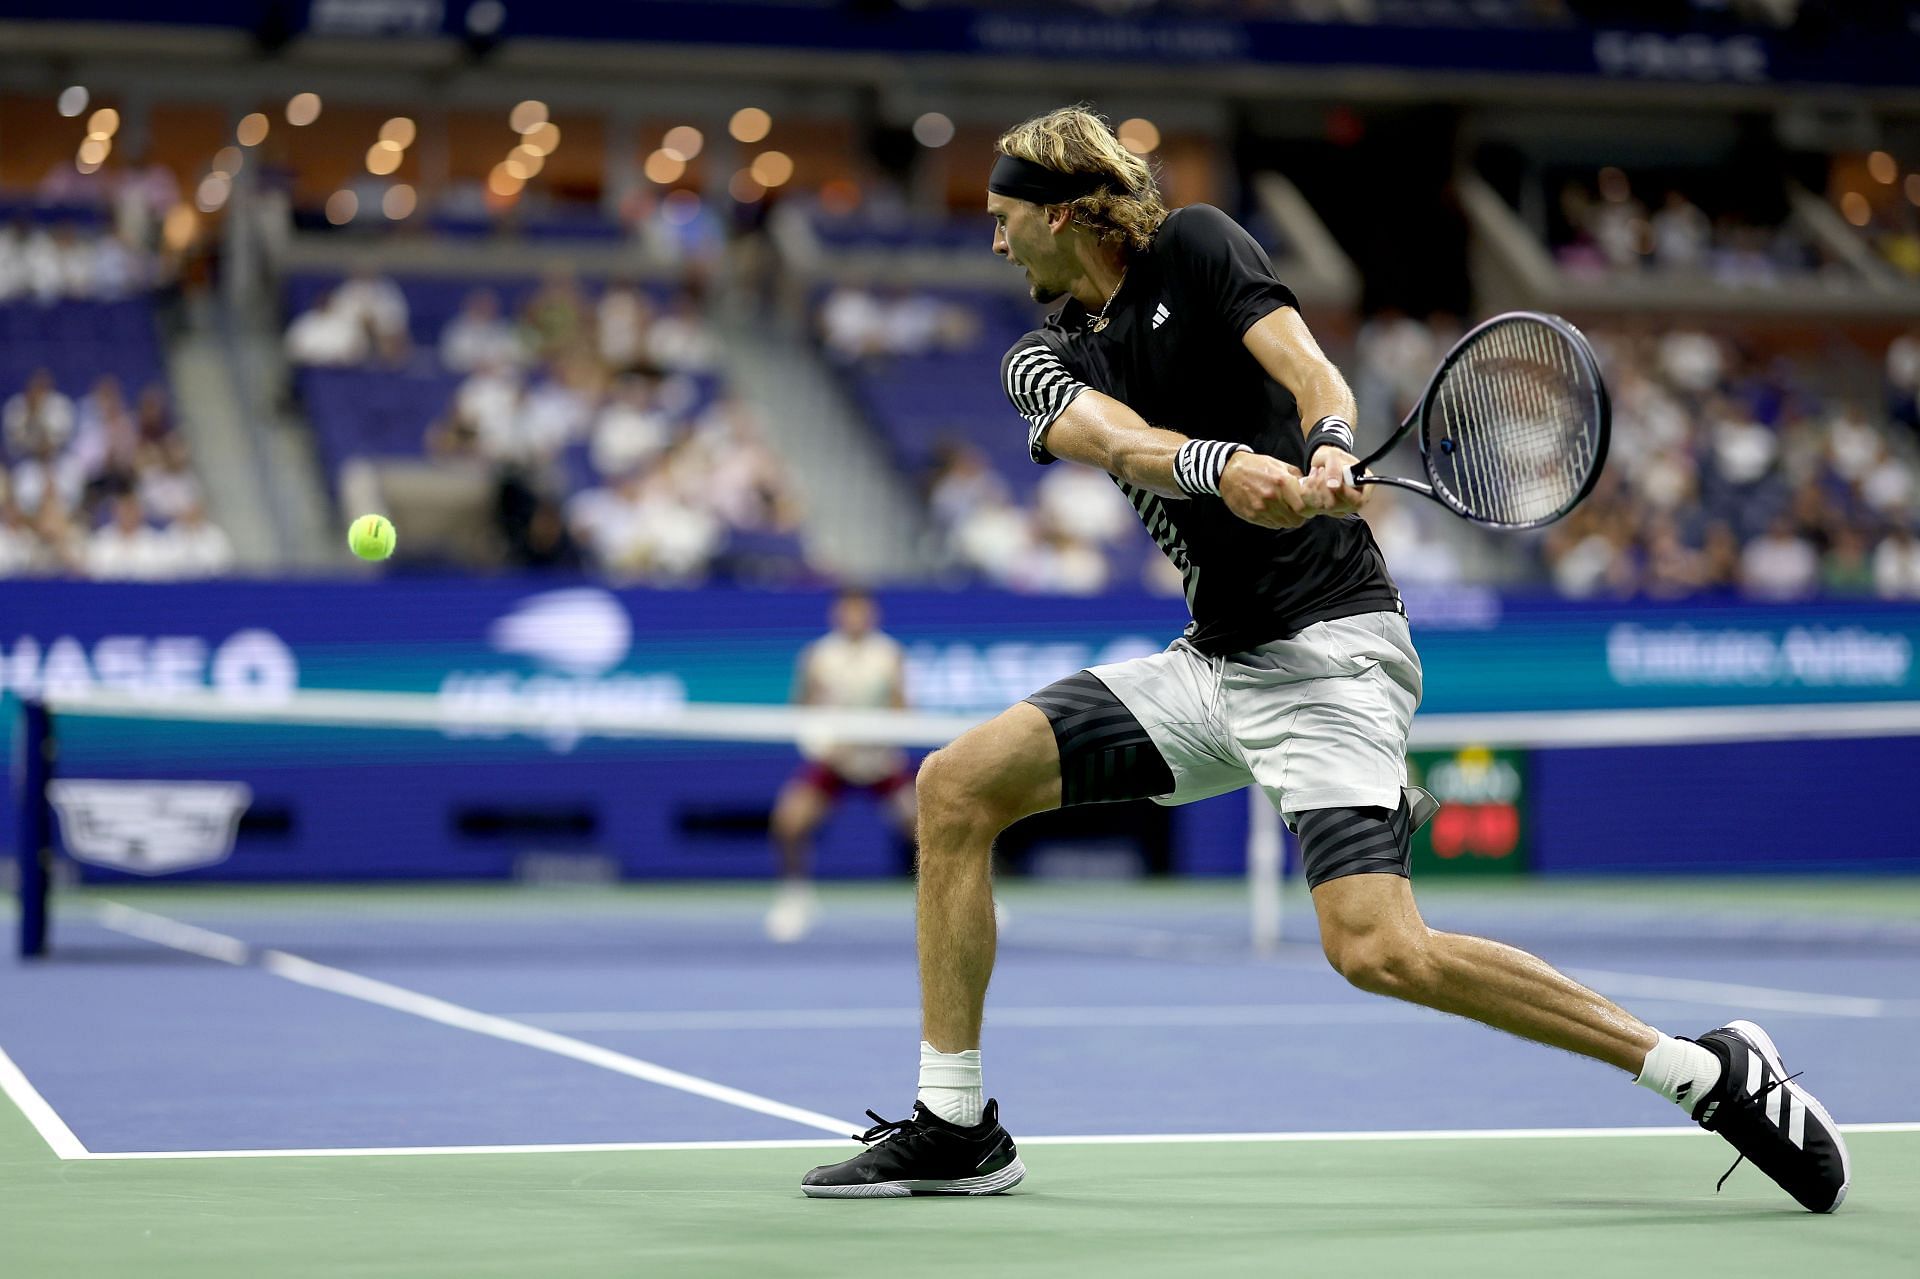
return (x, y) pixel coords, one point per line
(1518, 420)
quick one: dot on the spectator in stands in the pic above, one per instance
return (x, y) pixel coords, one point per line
(680, 339)
(21, 551)
(962, 483)
(479, 335)
(168, 486)
(1681, 235)
(1903, 379)
(853, 324)
(622, 321)
(554, 320)
(632, 429)
(127, 548)
(38, 415)
(48, 473)
(379, 306)
(1085, 505)
(196, 547)
(1896, 565)
(331, 334)
(1780, 565)
(106, 434)
(1416, 555)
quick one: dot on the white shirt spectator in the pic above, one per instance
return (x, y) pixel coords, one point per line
(330, 336)
(1888, 486)
(478, 336)
(63, 476)
(1853, 444)
(36, 414)
(489, 401)
(41, 266)
(629, 433)
(169, 488)
(1413, 556)
(195, 547)
(1693, 361)
(127, 551)
(1779, 566)
(680, 340)
(853, 323)
(1896, 566)
(1084, 504)
(378, 302)
(1743, 450)
(1681, 234)
(20, 549)
(622, 318)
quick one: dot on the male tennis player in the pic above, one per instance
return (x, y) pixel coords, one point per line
(854, 665)
(1181, 367)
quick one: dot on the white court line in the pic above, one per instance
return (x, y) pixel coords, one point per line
(1768, 997)
(1136, 1139)
(1000, 1018)
(45, 1119)
(199, 941)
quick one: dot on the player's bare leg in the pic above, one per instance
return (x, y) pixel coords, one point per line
(1374, 936)
(797, 814)
(991, 777)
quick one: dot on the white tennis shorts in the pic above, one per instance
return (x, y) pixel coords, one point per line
(1316, 721)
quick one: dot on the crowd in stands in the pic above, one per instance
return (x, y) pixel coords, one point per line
(1605, 228)
(95, 479)
(614, 444)
(101, 488)
(1734, 472)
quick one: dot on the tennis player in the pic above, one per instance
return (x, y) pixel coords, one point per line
(855, 666)
(1181, 367)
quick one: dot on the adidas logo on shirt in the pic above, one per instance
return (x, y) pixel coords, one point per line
(1161, 315)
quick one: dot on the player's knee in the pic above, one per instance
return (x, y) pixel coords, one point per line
(1384, 961)
(959, 792)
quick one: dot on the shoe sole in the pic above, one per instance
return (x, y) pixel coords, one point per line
(1763, 1043)
(992, 1183)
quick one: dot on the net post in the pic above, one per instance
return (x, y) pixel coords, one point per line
(33, 843)
(1265, 855)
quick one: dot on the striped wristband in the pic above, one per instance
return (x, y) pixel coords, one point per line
(1199, 463)
(1330, 429)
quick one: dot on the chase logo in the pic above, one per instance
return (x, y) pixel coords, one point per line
(583, 632)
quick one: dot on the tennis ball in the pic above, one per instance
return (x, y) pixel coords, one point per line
(371, 537)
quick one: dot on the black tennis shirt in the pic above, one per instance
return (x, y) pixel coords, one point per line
(1172, 352)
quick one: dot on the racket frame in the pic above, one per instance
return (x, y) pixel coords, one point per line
(1583, 351)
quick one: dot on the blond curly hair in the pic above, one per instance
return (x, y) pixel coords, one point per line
(1127, 210)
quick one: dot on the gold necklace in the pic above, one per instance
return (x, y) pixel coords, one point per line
(1099, 322)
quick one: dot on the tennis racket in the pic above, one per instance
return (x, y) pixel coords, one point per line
(1513, 428)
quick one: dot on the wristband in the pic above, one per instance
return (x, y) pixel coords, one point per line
(1199, 463)
(1331, 429)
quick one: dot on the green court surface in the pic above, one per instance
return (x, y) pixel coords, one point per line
(1566, 1207)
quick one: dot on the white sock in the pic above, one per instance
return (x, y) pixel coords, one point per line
(1679, 1070)
(950, 1084)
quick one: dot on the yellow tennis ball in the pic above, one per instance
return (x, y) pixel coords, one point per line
(371, 537)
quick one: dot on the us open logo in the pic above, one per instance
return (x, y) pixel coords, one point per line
(149, 828)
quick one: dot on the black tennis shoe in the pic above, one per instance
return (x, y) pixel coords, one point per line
(923, 1155)
(1771, 1120)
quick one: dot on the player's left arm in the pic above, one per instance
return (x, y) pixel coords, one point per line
(1286, 349)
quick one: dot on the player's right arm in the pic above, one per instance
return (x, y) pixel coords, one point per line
(1068, 419)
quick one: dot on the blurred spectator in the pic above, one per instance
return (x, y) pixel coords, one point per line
(127, 548)
(196, 547)
(554, 320)
(680, 339)
(38, 415)
(331, 334)
(1896, 565)
(632, 429)
(1681, 234)
(1780, 565)
(380, 307)
(623, 316)
(479, 335)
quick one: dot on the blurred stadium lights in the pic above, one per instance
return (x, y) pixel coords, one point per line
(527, 116)
(179, 228)
(504, 182)
(1139, 135)
(530, 162)
(542, 139)
(252, 129)
(341, 207)
(400, 131)
(303, 109)
(664, 168)
(1913, 187)
(93, 153)
(228, 161)
(398, 202)
(73, 100)
(212, 192)
(683, 142)
(1854, 207)
(772, 168)
(933, 130)
(103, 123)
(839, 196)
(383, 158)
(750, 124)
(1882, 168)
